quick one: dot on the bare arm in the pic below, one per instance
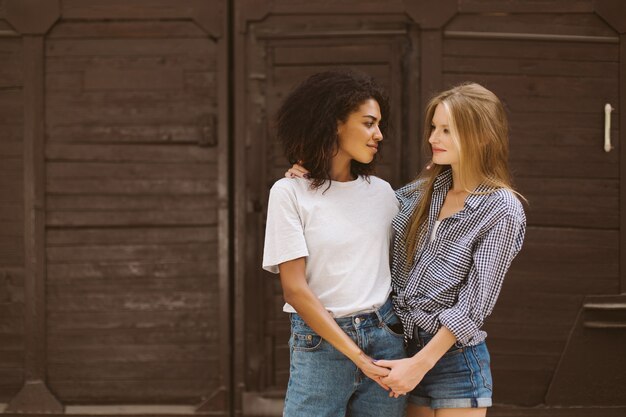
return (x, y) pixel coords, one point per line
(297, 293)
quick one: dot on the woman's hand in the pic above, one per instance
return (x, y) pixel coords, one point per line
(371, 369)
(404, 374)
(297, 171)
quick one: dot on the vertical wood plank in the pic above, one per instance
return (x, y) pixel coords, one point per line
(222, 398)
(34, 396)
(239, 196)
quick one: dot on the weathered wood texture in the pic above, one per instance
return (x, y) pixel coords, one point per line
(555, 94)
(525, 6)
(11, 219)
(281, 52)
(132, 241)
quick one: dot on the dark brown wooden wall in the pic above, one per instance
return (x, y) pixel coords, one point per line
(137, 151)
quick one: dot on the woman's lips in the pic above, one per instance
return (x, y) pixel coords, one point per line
(435, 150)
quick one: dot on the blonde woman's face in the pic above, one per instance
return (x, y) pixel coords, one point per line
(445, 151)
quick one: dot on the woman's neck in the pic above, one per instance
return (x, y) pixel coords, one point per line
(459, 184)
(340, 170)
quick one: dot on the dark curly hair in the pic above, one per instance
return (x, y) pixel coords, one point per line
(307, 120)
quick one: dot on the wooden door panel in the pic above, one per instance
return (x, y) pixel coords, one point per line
(284, 53)
(132, 215)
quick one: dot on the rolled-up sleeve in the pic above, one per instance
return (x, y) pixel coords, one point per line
(492, 257)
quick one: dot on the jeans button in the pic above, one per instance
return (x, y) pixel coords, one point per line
(357, 320)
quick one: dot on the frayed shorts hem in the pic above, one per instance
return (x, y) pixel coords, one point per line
(450, 402)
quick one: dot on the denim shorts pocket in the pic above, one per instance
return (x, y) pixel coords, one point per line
(454, 350)
(305, 342)
(393, 326)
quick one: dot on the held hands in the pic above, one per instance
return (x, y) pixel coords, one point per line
(404, 374)
(380, 372)
(371, 369)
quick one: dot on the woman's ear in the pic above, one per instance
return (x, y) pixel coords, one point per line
(340, 125)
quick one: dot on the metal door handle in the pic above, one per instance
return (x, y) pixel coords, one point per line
(607, 127)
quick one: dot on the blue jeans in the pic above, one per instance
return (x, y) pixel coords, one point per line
(325, 383)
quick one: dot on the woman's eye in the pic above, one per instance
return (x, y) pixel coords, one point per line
(432, 127)
(446, 131)
(369, 124)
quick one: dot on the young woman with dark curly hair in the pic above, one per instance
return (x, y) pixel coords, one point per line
(328, 236)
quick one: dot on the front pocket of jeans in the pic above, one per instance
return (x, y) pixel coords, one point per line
(393, 326)
(306, 342)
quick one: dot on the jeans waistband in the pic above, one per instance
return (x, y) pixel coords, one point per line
(360, 320)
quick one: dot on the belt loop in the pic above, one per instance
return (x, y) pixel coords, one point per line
(379, 315)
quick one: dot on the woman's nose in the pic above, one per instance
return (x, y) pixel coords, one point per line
(378, 135)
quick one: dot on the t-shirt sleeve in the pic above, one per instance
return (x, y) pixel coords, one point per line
(284, 232)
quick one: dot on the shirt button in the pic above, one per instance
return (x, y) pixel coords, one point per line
(309, 337)
(357, 320)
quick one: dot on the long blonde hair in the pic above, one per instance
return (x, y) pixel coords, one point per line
(479, 129)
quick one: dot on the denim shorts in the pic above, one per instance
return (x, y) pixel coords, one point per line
(325, 383)
(460, 379)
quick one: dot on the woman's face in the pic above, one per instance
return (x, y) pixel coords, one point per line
(360, 133)
(445, 151)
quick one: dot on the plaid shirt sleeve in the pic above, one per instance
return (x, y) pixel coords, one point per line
(493, 255)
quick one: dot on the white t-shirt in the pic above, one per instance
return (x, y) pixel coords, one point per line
(343, 231)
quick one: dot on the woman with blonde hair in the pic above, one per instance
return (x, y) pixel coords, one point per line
(459, 227)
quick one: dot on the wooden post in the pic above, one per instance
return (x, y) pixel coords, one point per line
(244, 11)
(34, 396)
(33, 18)
(213, 23)
(431, 21)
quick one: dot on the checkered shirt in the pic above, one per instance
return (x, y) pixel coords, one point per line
(456, 278)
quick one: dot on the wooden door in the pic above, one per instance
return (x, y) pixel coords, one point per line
(280, 52)
(555, 66)
(133, 206)
(554, 73)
